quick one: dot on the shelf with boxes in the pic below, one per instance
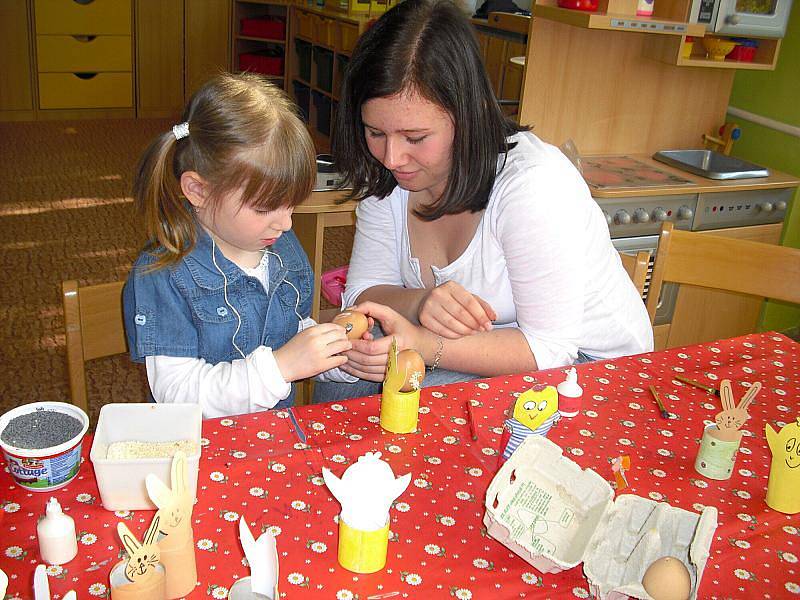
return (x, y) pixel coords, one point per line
(716, 52)
(84, 56)
(260, 38)
(323, 40)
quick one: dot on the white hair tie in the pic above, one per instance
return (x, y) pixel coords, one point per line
(181, 130)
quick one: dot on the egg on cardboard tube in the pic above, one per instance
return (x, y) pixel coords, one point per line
(355, 323)
(667, 579)
(412, 364)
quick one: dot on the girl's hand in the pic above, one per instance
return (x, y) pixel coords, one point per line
(451, 311)
(367, 359)
(313, 351)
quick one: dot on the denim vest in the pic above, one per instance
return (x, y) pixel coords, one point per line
(181, 310)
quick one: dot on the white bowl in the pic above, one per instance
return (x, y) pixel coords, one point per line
(121, 482)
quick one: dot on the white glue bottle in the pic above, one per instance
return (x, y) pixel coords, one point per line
(58, 543)
(569, 395)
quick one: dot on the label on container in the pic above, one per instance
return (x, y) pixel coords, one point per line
(42, 474)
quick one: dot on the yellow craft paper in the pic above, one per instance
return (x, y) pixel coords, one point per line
(400, 411)
(362, 551)
(535, 406)
(783, 489)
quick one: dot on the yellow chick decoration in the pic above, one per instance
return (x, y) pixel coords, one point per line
(535, 412)
(784, 473)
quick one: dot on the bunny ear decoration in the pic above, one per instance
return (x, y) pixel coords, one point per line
(129, 541)
(179, 486)
(750, 395)
(41, 587)
(262, 555)
(152, 532)
(726, 395)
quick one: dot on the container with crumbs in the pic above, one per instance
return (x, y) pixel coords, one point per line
(140, 431)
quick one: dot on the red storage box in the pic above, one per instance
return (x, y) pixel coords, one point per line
(261, 63)
(274, 29)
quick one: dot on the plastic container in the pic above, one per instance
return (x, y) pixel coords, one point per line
(122, 482)
(261, 62)
(58, 543)
(45, 469)
(687, 47)
(332, 283)
(268, 28)
(570, 395)
(554, 515)
(745, 51)
(586, 5)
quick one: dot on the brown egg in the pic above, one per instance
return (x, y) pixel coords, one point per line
(354, 322)
(411, 363)
(667, 579)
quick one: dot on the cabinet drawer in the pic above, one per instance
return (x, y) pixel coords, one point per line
(101, 90)
(67, 53)
(348, 35)
(324, 31)
(305, 24)
(71, 17)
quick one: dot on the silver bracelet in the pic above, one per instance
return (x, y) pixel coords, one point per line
(438, 355)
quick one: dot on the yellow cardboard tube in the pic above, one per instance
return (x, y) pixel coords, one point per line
(362, 551)
(400, 411)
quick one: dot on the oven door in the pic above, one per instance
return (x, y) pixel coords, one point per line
(762, 18)
(669, 291)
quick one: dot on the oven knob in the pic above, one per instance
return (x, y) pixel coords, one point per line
(640, 215)
(609, 220)
(621, 217)
(780, 205)
(766, 207)
(685, 213)
(659, 215)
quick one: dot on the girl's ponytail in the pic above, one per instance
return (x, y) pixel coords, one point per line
(168, 219)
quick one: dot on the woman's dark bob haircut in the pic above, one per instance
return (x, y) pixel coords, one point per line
(426, 47)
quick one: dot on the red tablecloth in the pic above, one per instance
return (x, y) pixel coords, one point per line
(254, 465)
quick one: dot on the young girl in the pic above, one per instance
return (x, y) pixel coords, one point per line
(214, 305)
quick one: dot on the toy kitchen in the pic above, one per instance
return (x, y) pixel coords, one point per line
(731, 198)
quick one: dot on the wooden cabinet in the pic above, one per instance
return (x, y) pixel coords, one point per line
(319, 51)
(16, 87)
(260, 34)
(84, 56)
(159, 57)
(207, 41)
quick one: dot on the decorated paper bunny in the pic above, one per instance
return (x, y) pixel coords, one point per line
(366, 491)
(732, 417)
(141, 576)
(262, 556)
(175, 517)
(174, 504)
(41, 585)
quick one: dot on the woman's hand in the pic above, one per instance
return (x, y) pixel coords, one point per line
(451, 311)
(367, 359)
(313, 351)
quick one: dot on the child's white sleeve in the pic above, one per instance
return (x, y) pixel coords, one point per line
(336, 374)
(228, 388)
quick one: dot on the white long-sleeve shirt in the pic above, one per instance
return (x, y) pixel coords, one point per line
(245, 385)
(541, 257)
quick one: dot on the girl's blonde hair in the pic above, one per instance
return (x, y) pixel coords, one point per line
(244, 134)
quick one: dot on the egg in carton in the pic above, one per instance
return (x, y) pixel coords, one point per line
(554, 515)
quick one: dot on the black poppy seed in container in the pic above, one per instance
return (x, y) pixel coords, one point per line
(41, 429)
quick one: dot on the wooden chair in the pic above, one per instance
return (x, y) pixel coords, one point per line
(94, 326)
(722, 263)
(636, 266)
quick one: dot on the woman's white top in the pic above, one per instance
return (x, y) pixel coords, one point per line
(541, 257)
(250, 384)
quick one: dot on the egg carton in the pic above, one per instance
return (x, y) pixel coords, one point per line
(554, 515)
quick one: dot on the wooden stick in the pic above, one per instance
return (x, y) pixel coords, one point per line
(661, 409)
(697, 384)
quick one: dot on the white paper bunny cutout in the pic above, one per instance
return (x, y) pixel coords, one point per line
(174, 504)
(41, 585)
(262, 555)
(366, 491)
(3, 584)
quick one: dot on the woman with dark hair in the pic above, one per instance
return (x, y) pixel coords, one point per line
(477, 244)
